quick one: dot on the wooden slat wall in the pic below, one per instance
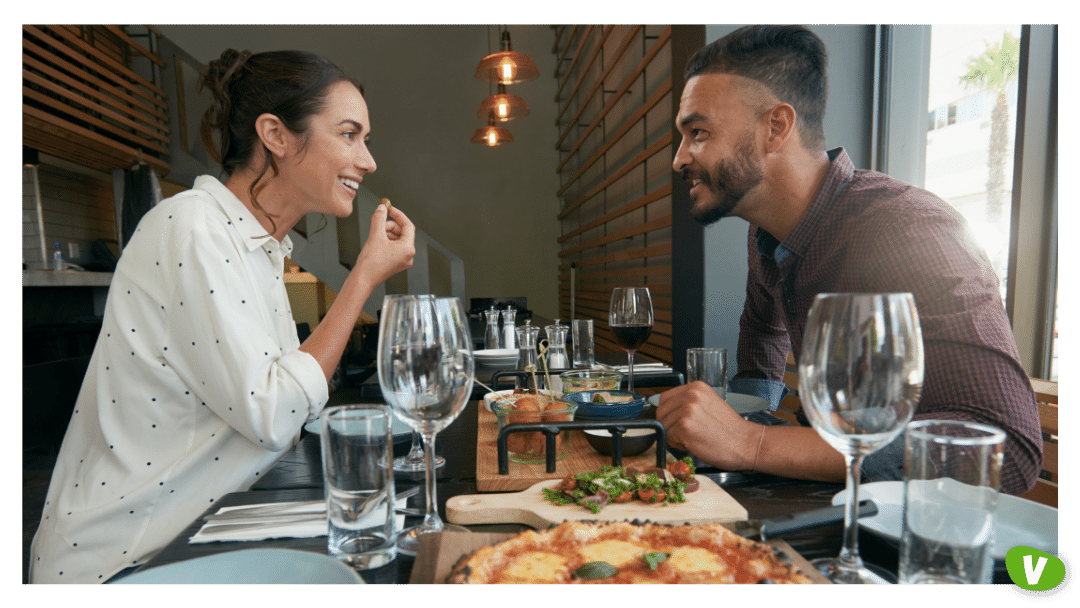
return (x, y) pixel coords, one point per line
(83, 102)
(615, 148)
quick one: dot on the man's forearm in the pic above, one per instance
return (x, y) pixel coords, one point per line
(799, 452)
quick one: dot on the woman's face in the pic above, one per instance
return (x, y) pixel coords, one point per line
(324, 174)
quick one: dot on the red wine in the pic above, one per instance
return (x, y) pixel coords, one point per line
(631, 337)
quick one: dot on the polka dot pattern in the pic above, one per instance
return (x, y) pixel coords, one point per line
(164, 414)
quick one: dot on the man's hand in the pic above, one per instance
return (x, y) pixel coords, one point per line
(698, 420)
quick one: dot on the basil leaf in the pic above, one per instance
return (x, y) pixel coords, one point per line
(596, 570)
(654, 559)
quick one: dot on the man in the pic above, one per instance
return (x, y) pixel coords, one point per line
(753, 147)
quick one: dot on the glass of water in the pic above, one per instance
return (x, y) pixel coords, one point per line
(952, 475)
(357, 448)
(710, 366)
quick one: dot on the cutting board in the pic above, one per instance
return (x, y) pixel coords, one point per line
(709, 504)
(582, 458)
(439, 552)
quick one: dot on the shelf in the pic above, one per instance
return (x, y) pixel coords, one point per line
(66, 278)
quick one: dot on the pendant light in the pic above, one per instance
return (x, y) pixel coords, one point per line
(507, 66)
(503, 106)
(492, 135)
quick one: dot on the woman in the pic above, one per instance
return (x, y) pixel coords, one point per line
(198, 383)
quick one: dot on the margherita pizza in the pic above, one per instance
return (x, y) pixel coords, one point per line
(625, 552)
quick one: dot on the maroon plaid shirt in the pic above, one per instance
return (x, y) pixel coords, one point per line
(867, 232)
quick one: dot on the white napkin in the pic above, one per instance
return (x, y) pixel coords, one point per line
(310, 521)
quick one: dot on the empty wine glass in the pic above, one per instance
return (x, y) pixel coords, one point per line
(860, 376)
(414, 461)
(425, 367)
(630, 318)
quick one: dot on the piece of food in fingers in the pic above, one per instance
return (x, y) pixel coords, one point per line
(386, 202)
(626, 552)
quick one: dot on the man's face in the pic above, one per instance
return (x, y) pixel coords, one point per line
(719, 152)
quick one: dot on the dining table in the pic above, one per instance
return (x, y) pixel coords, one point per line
(298, 476)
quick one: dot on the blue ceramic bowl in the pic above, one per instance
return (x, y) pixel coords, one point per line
(605, 411)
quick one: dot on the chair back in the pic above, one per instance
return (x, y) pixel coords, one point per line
(1046, 398)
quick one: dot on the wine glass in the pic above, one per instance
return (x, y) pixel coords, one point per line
(630, 318)
(860, 376)
(425, 367)
(413, 462)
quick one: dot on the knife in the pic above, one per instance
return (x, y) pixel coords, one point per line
(297, 509)
(797, 522)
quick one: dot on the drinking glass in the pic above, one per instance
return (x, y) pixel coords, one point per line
(860, 376)
(425, 367)
(710, 366)
(356, 451)
(630, 318)
(952, 475)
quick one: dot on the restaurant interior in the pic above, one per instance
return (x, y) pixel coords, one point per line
(570, 196)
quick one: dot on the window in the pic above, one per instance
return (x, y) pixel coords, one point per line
(984, 139)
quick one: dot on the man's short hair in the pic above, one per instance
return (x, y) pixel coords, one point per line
(789, 60)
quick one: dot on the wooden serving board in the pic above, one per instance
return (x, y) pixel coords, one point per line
(709, 504)
(582, 458)
(439, 552)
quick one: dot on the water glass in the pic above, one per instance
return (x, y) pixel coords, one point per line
(357, 451)
(584, 346)
(952, 475)
(710, 366)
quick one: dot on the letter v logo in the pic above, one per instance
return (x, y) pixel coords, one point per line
(1034, 570)
(1033, 574)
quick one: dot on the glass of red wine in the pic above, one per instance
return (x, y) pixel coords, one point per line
(630, 318)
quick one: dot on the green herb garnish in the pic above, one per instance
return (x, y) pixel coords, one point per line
(593, 570)
(654, 559)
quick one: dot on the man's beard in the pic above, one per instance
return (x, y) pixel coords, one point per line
(729, 181)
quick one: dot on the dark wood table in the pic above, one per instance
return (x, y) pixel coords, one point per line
(298, 476)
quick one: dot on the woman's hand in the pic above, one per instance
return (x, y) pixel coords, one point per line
(390, 245)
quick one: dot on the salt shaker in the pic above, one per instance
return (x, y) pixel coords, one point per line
(556, 337)
(508, 327)
(491, 332)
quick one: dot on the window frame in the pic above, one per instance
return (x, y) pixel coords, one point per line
(899, 149)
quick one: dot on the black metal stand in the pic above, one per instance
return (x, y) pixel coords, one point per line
(551, 431)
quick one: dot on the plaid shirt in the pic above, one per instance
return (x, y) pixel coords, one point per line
(866, 232)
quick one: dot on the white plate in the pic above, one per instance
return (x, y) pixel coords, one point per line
(400, 430)
(743, 404)
(1019, 521)
(505, 358)
(251, 566)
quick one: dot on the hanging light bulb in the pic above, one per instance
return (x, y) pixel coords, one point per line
(507, 66)
(503, 106)
(492, 135)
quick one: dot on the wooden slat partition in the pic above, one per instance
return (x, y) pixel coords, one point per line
(84, 102)
(617, 190)
(627, 40)
(581, 78)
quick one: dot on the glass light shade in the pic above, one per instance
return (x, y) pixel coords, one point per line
(507, 66)
(503, 107)
(492, 136)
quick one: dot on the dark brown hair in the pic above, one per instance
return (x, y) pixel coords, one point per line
(789, 60)
(291, 85)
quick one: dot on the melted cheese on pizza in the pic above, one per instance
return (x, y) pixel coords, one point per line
(618, 553)
(696, 554)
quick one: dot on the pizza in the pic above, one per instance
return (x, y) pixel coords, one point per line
(625, 552)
